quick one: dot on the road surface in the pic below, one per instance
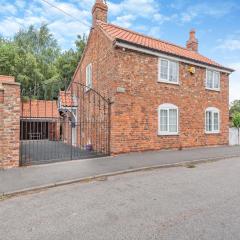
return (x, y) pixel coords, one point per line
(174, 203)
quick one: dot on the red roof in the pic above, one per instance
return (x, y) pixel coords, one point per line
(116, 33)
(67, 99)
(39, 109)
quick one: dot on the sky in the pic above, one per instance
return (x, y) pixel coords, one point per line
(216, 23)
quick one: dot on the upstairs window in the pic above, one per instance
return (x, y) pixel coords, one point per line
(167, 119)
(168, 71)
(212, 80)
(212, 120)
(88, 77)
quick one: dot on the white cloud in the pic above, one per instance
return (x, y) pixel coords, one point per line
(127, 11)
(64, 28)
(64, 31)
(143, 8)
(155, 32)
(36, 12)
(206, 9)
(125, 21)
(8, 27)
(7, 8)
(230, 44)
(21, 4)
(235, 82)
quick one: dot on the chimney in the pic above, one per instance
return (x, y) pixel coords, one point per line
(192, 43)
(99, 11)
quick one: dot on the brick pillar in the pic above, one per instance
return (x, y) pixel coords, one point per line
(9, 122)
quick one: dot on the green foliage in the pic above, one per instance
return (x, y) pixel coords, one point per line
(235, 107)
(8, 53)
(66, 64)
(35, 59)
(80, 45)
(236, 119)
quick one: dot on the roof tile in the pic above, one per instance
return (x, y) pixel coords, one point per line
(118, 33)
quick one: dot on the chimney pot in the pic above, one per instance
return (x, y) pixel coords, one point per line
(192, 43)
(99, 11)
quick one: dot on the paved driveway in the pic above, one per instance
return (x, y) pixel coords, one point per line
(44, 151)
(168, 204)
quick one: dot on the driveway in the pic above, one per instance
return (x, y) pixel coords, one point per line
(35, 152)
(168, 204)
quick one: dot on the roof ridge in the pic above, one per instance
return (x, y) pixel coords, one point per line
(145, 35)
(107, 28)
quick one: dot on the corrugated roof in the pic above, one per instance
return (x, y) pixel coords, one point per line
(121, 34)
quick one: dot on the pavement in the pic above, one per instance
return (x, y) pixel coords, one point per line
(168, 204)
(24, 179)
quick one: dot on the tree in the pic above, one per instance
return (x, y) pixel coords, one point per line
(8, 54)
(235, 107)
(80, 45)
(67, 62)
(66, 65)
(30, 57)
(35, 59)
(236, 122)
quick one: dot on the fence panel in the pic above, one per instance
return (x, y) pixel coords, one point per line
(234, 139)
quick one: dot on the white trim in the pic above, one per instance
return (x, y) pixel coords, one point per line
(159, 71)
(213, 110)
(88, 84)
(206, 79)
(154, 53)
(167, 106)
(213, 89)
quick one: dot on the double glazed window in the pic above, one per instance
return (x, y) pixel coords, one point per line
(212, 80)
(168, 71)
(167, 119)
(212, 119)
(89, 77)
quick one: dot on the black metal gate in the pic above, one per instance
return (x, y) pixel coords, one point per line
(59, 124)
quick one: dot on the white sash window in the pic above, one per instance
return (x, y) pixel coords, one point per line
(167, 119)
(212, 80)
(168, 71)
(212, 120)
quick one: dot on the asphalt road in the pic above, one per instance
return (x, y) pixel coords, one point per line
(176, 203)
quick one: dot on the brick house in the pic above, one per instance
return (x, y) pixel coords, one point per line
(163, 95)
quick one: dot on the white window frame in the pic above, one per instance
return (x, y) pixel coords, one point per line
(213, 80)
(212, 110)
(167, 106)
(159, 71)
(88, 78)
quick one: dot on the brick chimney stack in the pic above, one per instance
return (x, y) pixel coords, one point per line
(99, 11)
(192, 43)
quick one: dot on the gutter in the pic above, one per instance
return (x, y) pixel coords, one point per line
(147, 50)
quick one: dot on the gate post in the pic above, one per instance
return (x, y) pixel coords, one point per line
(9, 122)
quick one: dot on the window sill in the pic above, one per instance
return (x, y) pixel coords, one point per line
(168, 82)
(213, 89)
(210, 133)
(168, 134)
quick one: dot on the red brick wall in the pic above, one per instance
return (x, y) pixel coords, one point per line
(134, 120)
(9, 122)
(100, 53)
(134, 115)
